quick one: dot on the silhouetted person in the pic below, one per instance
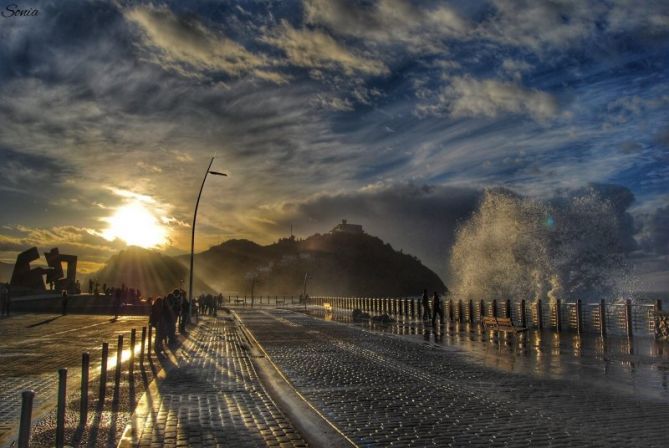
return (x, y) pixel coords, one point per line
(170, 316)
(117, 303)
(426, 305)
(184, 315)
(90, 286)
(157, 321)
(437, 309)
(64, 302)
(4, 300)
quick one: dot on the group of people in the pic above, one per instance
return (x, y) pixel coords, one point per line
(437, 307)
(168, 313)
(207, 304)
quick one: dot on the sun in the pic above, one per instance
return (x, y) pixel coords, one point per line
(136, 226)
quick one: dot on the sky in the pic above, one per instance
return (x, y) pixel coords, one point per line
(394, 114)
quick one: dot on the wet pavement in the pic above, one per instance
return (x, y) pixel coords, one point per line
(404, 384)
(34, 346)
(212, 397)
(639, 365)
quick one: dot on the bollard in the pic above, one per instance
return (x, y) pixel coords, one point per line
(540, 317)
(119, 359)
(148, 341)
(628, 317)
(131, 367)
(558, 316)
(27, 397)
(602, 318)
(141, 350)
(579, 322)
(103, 370)
(83, 401)
(523, 314)
(60, 411)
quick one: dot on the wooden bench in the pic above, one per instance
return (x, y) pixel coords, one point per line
(504, 324)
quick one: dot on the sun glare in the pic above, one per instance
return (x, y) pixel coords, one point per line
(136, 225)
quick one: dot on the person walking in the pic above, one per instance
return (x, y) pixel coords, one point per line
(64, 298)
(157, 321)
(4, 300)
(426, 305)
(117, 303)
(437, 309)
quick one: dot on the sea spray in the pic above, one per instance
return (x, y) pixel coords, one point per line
(522, 248)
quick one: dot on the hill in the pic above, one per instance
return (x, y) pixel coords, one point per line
(149, 271)
(337, 264)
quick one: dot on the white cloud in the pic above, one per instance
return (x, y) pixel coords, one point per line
(189, 47)
(469, 97)
(389, 21)
(318, 50)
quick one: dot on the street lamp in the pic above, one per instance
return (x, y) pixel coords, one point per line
(192, 235)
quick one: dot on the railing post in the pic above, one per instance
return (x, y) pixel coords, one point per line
(83, 400)
(628, 318)
(103, 370)
(461, 312)
(471, 311)
(579, 321)
(27, 397)
(558, 316)
(494, 307)
(508, 308)
(540, 316)
(523, 314)
(131, 366)
(413, 308)
(60, 410)
(481, 311)
(602, 318)
(451, 316)
(141, 350)
(148, 341)
(119, 362)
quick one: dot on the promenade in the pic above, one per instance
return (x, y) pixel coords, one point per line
(383, 389)
(290, 378)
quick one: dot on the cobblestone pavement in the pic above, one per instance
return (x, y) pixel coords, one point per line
(386, 390)
(212, 398)
(639, 365)
(34, 346)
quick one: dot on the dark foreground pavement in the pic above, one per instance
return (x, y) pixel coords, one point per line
(212, 397)
(385, 390)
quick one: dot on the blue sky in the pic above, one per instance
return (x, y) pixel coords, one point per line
(382, 111)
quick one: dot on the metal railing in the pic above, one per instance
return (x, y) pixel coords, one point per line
(626, 318)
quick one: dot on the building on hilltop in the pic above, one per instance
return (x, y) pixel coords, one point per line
(345, 227)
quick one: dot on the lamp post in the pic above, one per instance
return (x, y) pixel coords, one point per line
(192, 235)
